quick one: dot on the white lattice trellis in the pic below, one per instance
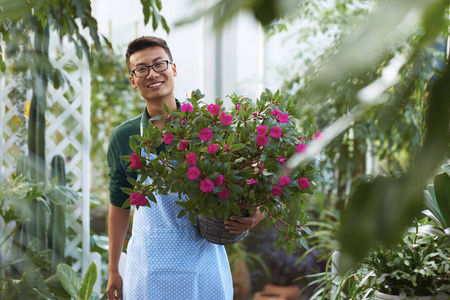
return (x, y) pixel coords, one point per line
(67, 134)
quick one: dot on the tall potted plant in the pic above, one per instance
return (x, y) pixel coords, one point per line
(225, 161)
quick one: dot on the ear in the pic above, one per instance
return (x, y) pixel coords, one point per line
(174, 69)
(133, 81)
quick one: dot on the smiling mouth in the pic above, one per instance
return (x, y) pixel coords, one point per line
(155, 84)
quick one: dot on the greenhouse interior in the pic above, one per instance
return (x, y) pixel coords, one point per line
(223, 149)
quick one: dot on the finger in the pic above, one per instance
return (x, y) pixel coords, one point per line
(119, 293)
(238, 228)
(240, 220)
(237, 231)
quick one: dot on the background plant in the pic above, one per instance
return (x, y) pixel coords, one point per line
(377, 58)
(417, 266)
(25, 29)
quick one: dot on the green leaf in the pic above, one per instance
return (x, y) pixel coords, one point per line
(290, 247)
(307, 230)
(433, 211)
(146, 11)
(237, 147)
(56, 287)
(2, 63)
(133, 145)
(126, 203)
(164, 24)
(158, 4)
(127, 191)
(132, 181)
(69, 280)
(155, 20)
(151, 197)
(231, 138)
(280, 242)
(446, 168)
(236, 188)
(442, 191)
(125, 157)
(192, 219)
(304, 243)
(88, 282)
(182, 213)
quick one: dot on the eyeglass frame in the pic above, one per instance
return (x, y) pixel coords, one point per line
(151, 66)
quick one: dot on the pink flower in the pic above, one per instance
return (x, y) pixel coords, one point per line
(193, 173)
(303, 183)
(283, 118)
(206, 186)
(186, 107)
(255, 115)
(169, 118)
(214, 109)
(135, 161)
(252, 181)
(276, 132)
(284, 180)
(168, 138)
(301, 148)
(206, 134)
(238, 107)
(281, 160)
(213, 148)
(183, 145)
(318, 135)
(261, 167)
(261, 140)
(276, 190)
(223, 193)
(275, 112)
(226, 119)
(183, 122)
(138, 199)
(300, 138)
(191, 159)
(261, 130)
(219, 180)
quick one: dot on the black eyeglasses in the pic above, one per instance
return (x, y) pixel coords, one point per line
(158, 67)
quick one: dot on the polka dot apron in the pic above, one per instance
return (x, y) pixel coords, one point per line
(167, 258)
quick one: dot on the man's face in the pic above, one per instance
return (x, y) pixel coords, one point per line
(155, 85)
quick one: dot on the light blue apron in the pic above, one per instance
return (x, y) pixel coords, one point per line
(167, 258)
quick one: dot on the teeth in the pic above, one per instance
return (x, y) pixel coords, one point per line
(155, 84)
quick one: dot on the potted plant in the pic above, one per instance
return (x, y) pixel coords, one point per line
(417, 267)
(226, 161)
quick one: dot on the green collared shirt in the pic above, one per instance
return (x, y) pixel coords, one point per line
(118, 146)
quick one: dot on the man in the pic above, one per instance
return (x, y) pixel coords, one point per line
(166, 258)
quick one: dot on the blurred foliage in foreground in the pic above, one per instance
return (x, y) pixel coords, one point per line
(370, 90)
